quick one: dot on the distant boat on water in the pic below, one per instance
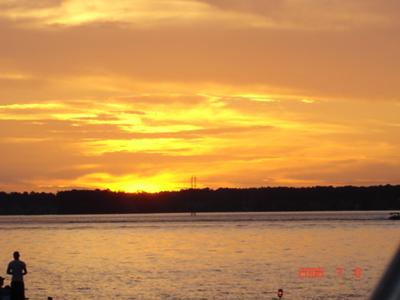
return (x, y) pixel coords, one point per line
(394, 216)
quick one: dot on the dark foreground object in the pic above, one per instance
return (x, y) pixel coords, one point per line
(394, 216)
(389, 286)
(385, 197)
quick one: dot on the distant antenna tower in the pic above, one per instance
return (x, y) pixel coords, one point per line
(193, 182)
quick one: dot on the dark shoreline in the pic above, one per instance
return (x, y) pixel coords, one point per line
(322, 198)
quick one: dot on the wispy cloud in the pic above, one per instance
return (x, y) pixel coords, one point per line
(139, 13)
(145, 94)
(154, 142)
(287, 14)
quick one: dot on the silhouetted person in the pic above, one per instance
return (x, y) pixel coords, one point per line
(17, 269)
(1, 287)
(5, 292)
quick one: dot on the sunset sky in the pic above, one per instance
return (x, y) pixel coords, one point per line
(143, 94)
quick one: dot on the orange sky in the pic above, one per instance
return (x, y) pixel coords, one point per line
(142, 95)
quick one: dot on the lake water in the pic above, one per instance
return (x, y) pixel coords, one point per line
(310, 255)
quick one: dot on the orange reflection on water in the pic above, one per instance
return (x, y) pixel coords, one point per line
(207, 256)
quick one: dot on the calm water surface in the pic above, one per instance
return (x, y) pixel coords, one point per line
(208, 256)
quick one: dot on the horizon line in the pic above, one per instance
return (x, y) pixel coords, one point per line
(202, 188)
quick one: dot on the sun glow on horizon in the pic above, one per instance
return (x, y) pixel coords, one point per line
(131, 183)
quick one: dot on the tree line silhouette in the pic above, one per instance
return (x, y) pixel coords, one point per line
(384, 197)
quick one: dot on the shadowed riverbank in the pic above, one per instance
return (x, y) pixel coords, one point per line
(204, 200)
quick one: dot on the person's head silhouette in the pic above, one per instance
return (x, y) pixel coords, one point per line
(16, 255)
